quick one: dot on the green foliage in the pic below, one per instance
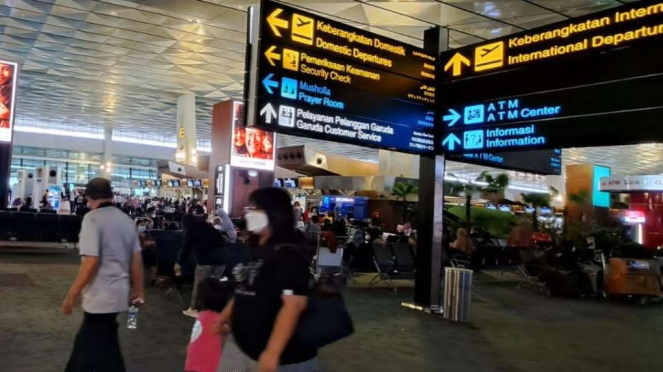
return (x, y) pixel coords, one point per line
(537, 200)
(581, 199)
(495, 183)
(401, 190)
(495, 222)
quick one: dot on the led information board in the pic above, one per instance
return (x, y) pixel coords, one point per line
(592, 81)
(318, 78)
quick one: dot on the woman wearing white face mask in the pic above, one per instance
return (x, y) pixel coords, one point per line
(271, 294)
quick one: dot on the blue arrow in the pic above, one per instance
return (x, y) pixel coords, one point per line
(452, 117)
(451, 141)
(269, 83)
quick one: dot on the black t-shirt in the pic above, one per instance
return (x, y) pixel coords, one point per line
(284, 271)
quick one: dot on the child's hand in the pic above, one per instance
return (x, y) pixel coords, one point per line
(221, 328)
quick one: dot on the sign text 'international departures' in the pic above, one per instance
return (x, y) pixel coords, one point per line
(617, 27)
(607, 95)
(323, 79)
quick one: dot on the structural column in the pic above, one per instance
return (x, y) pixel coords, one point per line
(186, 130)
(428, 291)
(106, 167)
(5, 172)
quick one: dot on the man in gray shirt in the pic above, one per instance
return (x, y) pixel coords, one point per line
(111, 266)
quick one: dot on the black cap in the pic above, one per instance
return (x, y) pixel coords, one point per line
(99, 188)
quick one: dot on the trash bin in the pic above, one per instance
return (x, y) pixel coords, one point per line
(457, 292)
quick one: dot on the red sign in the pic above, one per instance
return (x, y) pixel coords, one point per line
(634, 217)
(8, 74)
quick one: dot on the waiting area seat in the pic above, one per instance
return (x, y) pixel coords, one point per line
(39, 227)
(393, 261)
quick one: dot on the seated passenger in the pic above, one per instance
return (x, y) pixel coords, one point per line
(312, 225)
(27, 205)
(148, 250)
(463, 243)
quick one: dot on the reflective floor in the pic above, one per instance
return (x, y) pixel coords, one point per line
(511, 330)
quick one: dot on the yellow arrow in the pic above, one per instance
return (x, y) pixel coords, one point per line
(275, 22)
(271, 56)
(457, 62)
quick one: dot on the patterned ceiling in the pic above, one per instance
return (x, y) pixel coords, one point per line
(119, 63)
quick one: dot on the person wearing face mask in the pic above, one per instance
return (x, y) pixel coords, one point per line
(148, 251)
(207, 246)
(271, 292)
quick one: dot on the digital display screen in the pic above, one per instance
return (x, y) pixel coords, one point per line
(545, 211)
(290, 183)
(505, 208)
(8, 76)
(251, 147)
(198, 183)
(600, 198)
(278, 182)
(189, 183)
(309, 89)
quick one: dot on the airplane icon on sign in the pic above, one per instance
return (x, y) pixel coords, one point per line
(487, 51)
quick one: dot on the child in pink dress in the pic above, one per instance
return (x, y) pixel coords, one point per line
(204, 351)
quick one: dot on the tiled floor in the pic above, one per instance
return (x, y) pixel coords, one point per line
(511, 329)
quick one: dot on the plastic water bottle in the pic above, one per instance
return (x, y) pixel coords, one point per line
(132, 319)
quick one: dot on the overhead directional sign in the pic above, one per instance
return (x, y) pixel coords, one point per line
(606, 94)
(312, 33)
(318, 78)
(547, 162)
(615, 28)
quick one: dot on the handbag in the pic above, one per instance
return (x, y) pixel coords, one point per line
(325, 320)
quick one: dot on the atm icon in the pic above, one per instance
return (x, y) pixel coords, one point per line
(474, 114)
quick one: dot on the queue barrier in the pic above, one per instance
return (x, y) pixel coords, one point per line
(41, 227)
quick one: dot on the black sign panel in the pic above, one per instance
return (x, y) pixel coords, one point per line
(600, 96)
(323, 79)
(547, 162)
(311, 33)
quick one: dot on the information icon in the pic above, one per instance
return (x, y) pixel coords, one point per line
(473, 140)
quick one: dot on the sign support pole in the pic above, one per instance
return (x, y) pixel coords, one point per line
(427, 290)
(5, 172)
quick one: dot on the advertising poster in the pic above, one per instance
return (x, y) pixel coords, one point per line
(8, 72)
(251, 147)
(54, 194)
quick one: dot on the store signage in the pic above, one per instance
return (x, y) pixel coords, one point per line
(619, 27)
(632, 183)
(8, 81)
(546, 162)
(318, 78)
(251, 147)
(594, 98)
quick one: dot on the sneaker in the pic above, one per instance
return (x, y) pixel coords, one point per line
(190, 313)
